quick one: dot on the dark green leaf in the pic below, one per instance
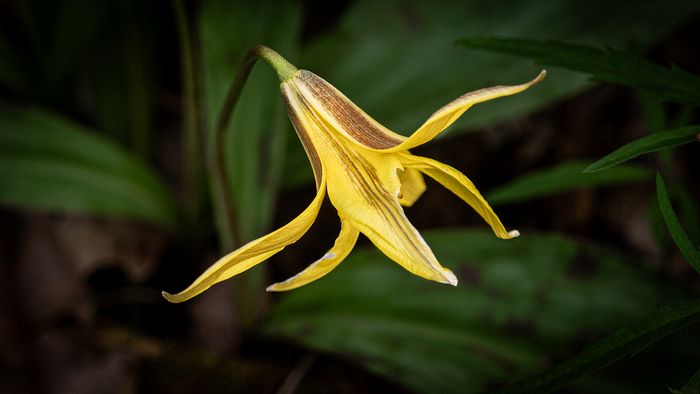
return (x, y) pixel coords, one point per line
(518, 303)
(648, 144)
(563, 177)
(689, 250)
(624, 342)
(51, 163)
(666, 84)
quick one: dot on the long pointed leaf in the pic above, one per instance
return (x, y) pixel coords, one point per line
(648, 144)
(689, 250)
(624, 342)
(563, 177)
(667, 84)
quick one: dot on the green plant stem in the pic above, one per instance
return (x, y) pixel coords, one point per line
(229, 237)
(228, 234)
(248, 308)
(193, 161)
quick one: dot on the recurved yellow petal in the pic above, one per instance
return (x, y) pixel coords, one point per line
(342, 247)
(460, 185)
(255, 251)
(448, 114)
(412, 186)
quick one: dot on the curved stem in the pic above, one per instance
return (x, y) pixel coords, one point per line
(193, 151)
(229, 237)
(284, 71)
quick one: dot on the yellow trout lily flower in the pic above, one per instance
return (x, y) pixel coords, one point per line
(368, 173)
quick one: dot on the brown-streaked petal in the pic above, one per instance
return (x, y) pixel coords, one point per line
(302, 127)
(342, 114)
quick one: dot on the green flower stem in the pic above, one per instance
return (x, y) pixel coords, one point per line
(229, 237)
(249, 309)
(224, 194)
(282, 67)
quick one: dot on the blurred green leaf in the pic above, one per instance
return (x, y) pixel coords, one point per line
(665, 84)
(648, 144)
(693, 385)
(68, 30)
(51, 163)
(121, 73)
(519, 302)
(397, 59)
(256, 138)
(625, 342)
(560, 178)
(690, 251)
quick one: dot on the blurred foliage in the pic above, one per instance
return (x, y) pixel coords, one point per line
(519, 302)
(665, 84)
(51, 163)
(652, 143)
(693, 385)
(563, 177)
(680, 237)
(624, 342)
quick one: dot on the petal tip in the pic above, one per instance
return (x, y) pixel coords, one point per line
(169, 297)
(450, 278)
(272, 288)
(513, 234)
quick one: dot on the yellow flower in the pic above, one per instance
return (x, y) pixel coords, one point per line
(368, 173)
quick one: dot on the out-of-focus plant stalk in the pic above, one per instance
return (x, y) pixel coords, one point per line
(193, 163)
(228, 234)
(136, 83)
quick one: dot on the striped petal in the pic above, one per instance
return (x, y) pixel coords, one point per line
(342, 114)
(253, 252)
(448, 114)
(412, 186)
(460, 185)
(319, 268)
(364, 187)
